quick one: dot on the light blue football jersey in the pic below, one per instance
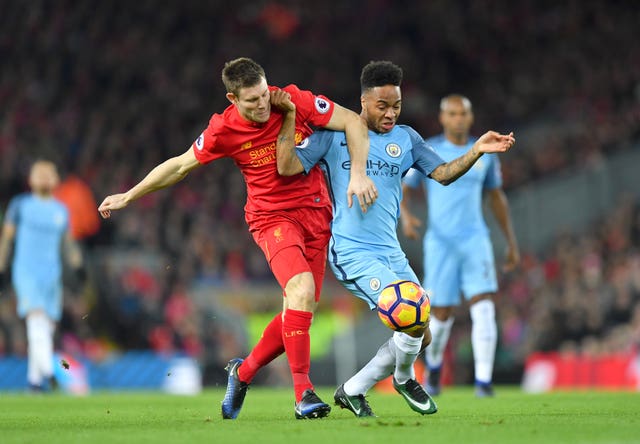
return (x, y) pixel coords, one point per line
(390, 157)
(455, 210)
(40, 227)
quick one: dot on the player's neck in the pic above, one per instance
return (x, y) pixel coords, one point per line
(43, 194)
(457, 139)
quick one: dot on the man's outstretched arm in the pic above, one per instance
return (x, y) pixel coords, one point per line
(166, 174)
(489, 142)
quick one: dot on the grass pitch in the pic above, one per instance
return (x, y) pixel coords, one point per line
(267, 417)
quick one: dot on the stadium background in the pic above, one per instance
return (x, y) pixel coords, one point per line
(110, 89)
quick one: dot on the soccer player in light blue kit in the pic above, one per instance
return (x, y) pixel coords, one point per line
(458, 255)
(39, 225)
(364, 252)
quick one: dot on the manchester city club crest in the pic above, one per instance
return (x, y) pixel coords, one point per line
(374, 284)
(393, 150)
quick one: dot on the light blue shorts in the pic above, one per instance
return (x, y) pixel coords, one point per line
(452, 268)
(365, 274)
(38, 294)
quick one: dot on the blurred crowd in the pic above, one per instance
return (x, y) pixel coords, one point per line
(110, 89)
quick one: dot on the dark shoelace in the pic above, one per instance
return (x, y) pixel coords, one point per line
(416, 391)
(312, 398)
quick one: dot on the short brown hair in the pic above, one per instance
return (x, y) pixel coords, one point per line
(241, 73)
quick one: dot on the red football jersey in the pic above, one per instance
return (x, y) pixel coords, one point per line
(252, 146)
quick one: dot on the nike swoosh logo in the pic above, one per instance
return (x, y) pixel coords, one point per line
(356, 410)
(343, 143)
(417, 404)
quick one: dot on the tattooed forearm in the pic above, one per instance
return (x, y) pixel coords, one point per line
(450, 171)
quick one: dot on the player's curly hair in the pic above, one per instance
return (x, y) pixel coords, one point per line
(380, 73)
(241, 73)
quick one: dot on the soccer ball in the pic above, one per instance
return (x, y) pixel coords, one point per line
(404, 306)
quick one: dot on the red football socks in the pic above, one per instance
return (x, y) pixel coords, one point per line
(269, 347)
(295, 333)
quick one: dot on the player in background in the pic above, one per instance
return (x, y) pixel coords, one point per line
(364, 251)
(458, 255)
(289, 217)
(37, 227)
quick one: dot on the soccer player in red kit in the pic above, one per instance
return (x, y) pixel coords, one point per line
(289, 217)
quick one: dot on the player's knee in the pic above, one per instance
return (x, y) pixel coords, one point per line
(301, 300)
(300, 292)
(38, 325)
(417, 333)
(481, 297)
(441, 313)
(483, 312)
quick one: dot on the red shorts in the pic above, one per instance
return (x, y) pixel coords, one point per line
(295, 241)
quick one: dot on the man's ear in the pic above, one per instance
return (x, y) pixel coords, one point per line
(232, 98)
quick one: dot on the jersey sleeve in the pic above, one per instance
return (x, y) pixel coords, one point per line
(204, 147)
(425, 159)
(312, 109)
(13, 211)
(493, 178)
(413, 178)
(314, 148)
